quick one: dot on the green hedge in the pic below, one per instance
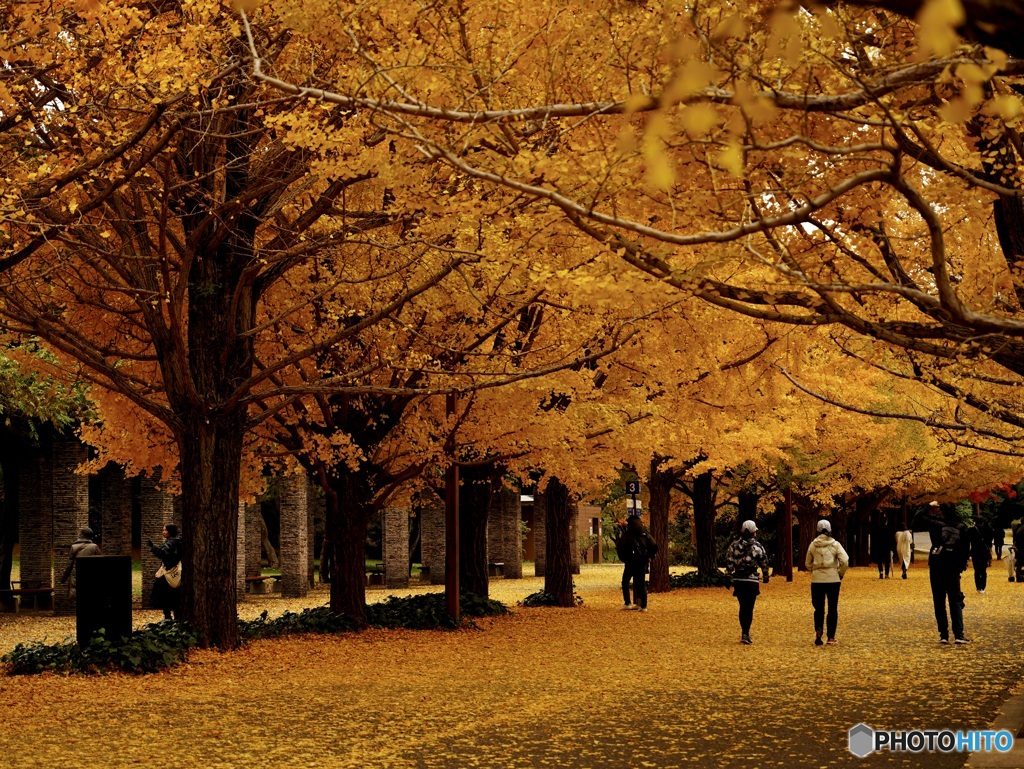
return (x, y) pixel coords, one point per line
(148, 650)
(694, 579)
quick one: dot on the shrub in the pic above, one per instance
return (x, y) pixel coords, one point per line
(318, 620)
(542, 598)
(428, 611)
(147, 650)
(695, 579)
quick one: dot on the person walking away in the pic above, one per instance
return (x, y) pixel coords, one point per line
(946, 560)
(80, 548)
(904, 547)
(635, 548)
(167, 584)
(981, 553)
(881, 543)
(827, 561)
(998, 538)
(745, 557)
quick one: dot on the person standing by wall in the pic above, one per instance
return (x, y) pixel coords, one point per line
(80, 548)
(827, 561)
(166, 586)
(742, 561)
(946, 561)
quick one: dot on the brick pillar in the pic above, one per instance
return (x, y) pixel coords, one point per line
(540, 535)
(396, 547)
(495, 531)
(240, 557)
(157, 511)
(574, 537)
(311, 554)
(510, 509)
(432, 538)
(294, 540)
(70, 508)
(116, 515)
(253, 553)
(35, 522)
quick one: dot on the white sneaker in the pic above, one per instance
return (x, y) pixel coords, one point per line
(643, 609)
(627, 607)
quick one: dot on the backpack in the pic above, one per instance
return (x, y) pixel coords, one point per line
(632, 549)
(949, 538)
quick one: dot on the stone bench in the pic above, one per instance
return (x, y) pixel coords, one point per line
(263, 584)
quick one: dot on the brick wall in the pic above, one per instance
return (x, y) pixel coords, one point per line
(396, 547)
(70, 508)
(294, 540)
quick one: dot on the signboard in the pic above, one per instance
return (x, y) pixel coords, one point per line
(632, 487)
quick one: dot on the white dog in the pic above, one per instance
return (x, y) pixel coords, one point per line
(1011, 562)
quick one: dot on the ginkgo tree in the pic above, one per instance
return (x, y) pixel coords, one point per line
(843, 166)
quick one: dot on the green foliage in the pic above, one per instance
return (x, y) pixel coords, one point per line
(694, 579)
(428, 611)
(152, 648)
(318, 620)
(542, 598)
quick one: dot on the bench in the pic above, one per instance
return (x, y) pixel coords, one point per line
(496, 570)
(263, 584)
(32, 597)
(375, 575)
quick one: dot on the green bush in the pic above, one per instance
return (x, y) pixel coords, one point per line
(694, 579)
(318, 620)
(428, 611)
(152, 648)
(542, 598)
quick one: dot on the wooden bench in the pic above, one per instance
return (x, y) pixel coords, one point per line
(375, 575)
(496, 570)
(263, 584)
(33, 597)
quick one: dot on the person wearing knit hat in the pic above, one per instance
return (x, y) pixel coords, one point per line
(742, 561)
(827, 561)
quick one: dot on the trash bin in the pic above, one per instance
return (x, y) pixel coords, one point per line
(104, 597)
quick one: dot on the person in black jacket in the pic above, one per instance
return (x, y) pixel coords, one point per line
(981, 552)
(946, 560)
(883, 540)
(165, 596)
(635, 548)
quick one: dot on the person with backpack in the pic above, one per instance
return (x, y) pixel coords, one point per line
(827, 561)
(635, 548)
(946, 561)
(742, 561)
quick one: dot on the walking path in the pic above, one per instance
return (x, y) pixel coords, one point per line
(587, 687)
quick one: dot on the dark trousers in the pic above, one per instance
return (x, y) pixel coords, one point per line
(999, 550)
(980, 577)
(820, 591)
(884, 566)
(945, 584)
(746, 593)
(638, 573)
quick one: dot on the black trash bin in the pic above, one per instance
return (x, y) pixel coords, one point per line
(104, 596)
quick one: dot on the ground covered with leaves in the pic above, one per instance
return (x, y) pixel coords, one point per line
(586, 687)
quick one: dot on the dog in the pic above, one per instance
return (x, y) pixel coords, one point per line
(1011, 563)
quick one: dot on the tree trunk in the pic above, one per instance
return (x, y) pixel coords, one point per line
(475, 493)
(347, 518)
(704, 523)
(8, 523)
(807, 515)
(265, 544)
(660, 485)
(211, 457)
(558, 571)
(747, 504)
(839, 520)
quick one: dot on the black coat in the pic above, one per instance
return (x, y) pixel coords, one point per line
(169, 552)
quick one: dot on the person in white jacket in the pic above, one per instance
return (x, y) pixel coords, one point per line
(827, 561)
(904, 547)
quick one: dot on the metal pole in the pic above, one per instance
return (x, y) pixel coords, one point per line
(451, 528)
